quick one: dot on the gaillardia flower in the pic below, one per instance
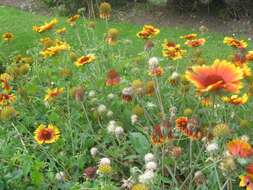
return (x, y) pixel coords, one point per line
(85, 60)
(195, 42)
(46, 26)
(53, 50)
(72, 20)
(148, 31)
(53, 93)
(46, 134)
(235, 43)
(221, 75)
(236, 100)
(8, 36)
(162, 133)
(247, 179)
(189, 36)
(172, 51)
(189, 127)
(240, 148)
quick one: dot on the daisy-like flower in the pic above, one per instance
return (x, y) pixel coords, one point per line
(172, 50)
(189, 36)
(148, 31)
(8, 36)
(249, 56)
(61, 31)
(139, 186)
(156, 71)
(53, 50)
(105, 10)
(235, 43)
(240, 148)
(113, 78)
(195, 42)
(46, 26)
(247, 179)
(72, 20)
(53, 93)
(236, 99)
(5, 78)
(6, 99)
(86, 59)
(46, 134)
(161, 133)
(189, 127)
(221, 75)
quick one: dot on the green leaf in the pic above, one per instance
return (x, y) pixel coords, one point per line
(140, 143)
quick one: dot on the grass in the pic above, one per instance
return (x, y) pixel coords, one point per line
(25, 164)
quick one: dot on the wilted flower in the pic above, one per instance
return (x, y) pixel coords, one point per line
(149, 157)
(153, 62)
(151, 166)
(112, 36)
(7, 113)
(102, 108)
(119, 131)
(127, 94)
(113, 78)
(60, 176)
(162, 133)
(212, 147)
(199, 178)
(90, 172)
(134, 119)
(221, 130)
(105, 10)
(78, 93)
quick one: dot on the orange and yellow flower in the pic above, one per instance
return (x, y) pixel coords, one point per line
(53, 93)
(46, 134)
(148, 31)
(6, 99)
(8, 36)
(195, 42)
(240, 148)
(247, 180)
(161, 133)
(53, 50)
(249, 56)
(61, 31)
(46, 26)
(84, 60)
(156, 71)
(221, 75)
(72, 20)
(189, 36)
(188, 127)
(172, 50)
(236, 99)
(5, 78)
(233, 42)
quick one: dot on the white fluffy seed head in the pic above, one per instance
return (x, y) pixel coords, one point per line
(105, 161)
(119, 131)
(146, 177)
(101, 108)
(60, 176)
(153, 62)
(111, 96)
(127, 91)
(109, 113)
(134, 119)
(212, 147)
(151, 166)
(149, 157)
(92, 93)
(93, 151)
